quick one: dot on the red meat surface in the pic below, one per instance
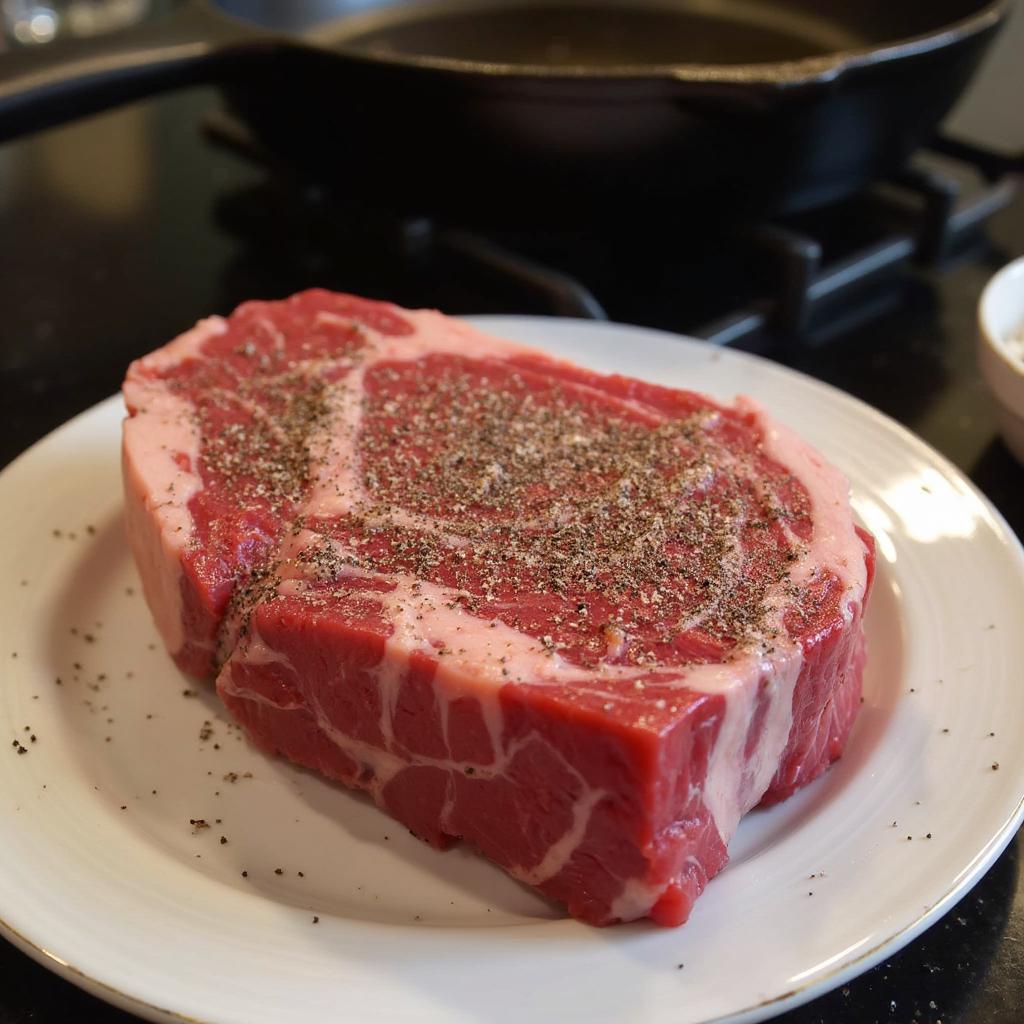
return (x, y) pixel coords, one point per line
(582, 622)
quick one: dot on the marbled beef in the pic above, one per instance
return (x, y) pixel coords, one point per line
(582, 622)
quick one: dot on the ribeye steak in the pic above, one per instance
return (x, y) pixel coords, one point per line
(581, 621)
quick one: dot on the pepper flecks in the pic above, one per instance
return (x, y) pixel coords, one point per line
(641, 539)
(546, 495)
(257, 442)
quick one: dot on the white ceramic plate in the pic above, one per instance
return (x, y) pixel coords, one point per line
(104, 879)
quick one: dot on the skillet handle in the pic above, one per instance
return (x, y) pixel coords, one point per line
(49, 85)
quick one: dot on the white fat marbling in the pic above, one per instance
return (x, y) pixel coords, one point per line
(636, 900)
(160, 425)
(385, 765)
(834, 543)
(259, 652)
(735, 783)
(560, 852)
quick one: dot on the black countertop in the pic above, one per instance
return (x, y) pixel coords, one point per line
(114, 240)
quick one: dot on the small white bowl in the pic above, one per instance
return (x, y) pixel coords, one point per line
(1001, 349)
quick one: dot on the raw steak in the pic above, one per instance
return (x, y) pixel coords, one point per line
(582, 622)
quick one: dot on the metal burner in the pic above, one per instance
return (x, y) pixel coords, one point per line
(940, 214)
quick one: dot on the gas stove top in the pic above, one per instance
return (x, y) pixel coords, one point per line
(764, 286)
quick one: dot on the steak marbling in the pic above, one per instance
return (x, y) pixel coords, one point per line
(580, 621)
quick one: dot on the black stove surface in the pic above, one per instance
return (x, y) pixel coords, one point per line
(122, 230)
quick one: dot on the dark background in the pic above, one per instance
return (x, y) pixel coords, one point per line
(117, 233)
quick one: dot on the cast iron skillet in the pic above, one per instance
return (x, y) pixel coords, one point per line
(575, 108)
